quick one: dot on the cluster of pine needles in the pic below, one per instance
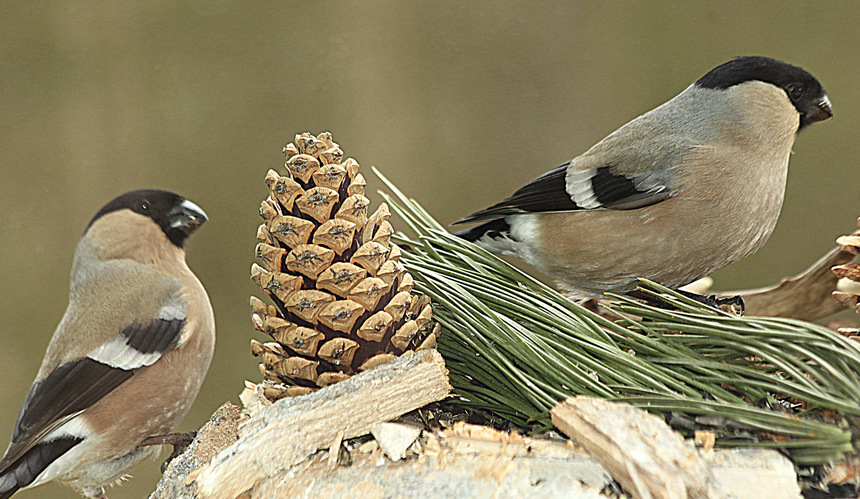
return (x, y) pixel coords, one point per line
(515, 347)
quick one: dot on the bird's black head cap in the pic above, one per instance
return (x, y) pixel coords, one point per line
(804, 91)
(176, 216)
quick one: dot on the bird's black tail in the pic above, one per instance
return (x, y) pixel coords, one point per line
(493, 229)
(23, 471)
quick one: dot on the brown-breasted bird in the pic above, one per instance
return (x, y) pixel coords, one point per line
(129, 355)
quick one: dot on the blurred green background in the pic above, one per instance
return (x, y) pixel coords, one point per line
(459, 103)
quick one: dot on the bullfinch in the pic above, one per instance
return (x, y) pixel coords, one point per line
(674, 195)
(129, 355)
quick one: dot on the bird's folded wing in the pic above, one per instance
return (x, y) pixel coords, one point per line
(75, 385)
(567, 189)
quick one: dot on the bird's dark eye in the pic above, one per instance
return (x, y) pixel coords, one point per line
(795, 90)
(144, 205)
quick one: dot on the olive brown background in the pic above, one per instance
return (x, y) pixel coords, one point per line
(459, 103)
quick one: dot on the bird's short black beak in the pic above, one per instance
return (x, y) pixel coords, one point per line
(819, 110)
(186, 217)
(822, 110)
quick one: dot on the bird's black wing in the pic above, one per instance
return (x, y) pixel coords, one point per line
(598, 188)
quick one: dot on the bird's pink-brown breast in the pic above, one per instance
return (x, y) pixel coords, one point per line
(155, 399)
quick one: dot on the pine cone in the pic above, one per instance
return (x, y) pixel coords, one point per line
(343, 302)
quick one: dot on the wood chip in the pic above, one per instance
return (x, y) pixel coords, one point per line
(705, 439)
(253, 399)
(334, 450)
(286, 433)
(395, 438)
(747, 473)
(463, 429)
(638, 449)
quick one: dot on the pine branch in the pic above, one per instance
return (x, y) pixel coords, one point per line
(515, 347)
